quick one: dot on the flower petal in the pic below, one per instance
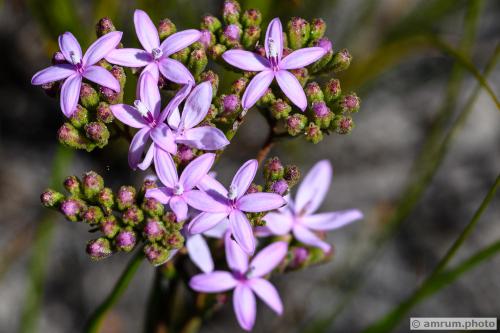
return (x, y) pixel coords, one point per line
(205, 221)
(256, 88)
(267, 293)
(148, 159)
(152, 69)
(175, 71)
(162, 194)
(146, 31)
(173, 107)
(165, 168)
(236, 258)
(268, 258)
(129, 57)
(274, 32)
(196, 170)
(242, 231)
(52, 74)
(197, 105)
(214, 282)
(205, 203)
(313, 188)
(244, 177)
(179, 207)
(204, 138)
(260, 202)
(333, 220)
(307, 237)
(279, 223)
(179, 40)
(244, 306)
(199, 252)
(101, 47)
(70, 93)
(128, 115)
(149, 93)
(69, 44)
(302, 57)
(246, 60)
(164, 138)
(102, 77)
(292, 88)
(212, 186)
(219, 230)
(137, 147)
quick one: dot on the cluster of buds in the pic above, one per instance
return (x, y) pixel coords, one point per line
(279, 178)
(125, 217)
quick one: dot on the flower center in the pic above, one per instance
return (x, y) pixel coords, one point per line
(77, 61)
(178, 189)
(145, 113)
(273, 53)
(156, 53)
(232, 193)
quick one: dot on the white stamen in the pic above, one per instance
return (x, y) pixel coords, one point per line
(157, 53)
(273, 50)
(143, 110)
(178, 189)
(74, 58)
(232, 193)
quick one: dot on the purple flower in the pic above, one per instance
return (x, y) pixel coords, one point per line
(298, 217)
(195, 110)
(155, 56)
(145, 114)
(218, 204)
(246, 279)
(178, 190)
(273, 66)
(79, 67)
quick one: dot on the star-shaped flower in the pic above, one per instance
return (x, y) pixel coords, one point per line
(298, 217)
(79, 67)
(273, 66)
(155, 56)
(246, 279)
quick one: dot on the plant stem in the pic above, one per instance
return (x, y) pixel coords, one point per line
(95, 321)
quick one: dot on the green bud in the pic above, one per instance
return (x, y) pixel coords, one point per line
(267, 99)
(92, 184)
(292, 175)
(348, 103)
(125, 197)
(238, 86)
(119, 73)
(250, 36)
(212, 113)
(174, 240)
(313, 92)
(99, 248)
(313, 133)
(154, 230)
(109, 226)
(88, 96)
(73, 185)
(156, 254)
(207, 38)
(280, 109)
(104, 26)
(69, 136)
(133, 216)
(98, 133)
(104, 113)
(340, 61)
(332, 90)
(318, 28)
(295, 124)
(152, 207)
(343, 124)
(214, 52)
(197, 61)
(166, 28)
(231, 36)
(213, 78)
(231, 11)
(51, 198)
(181, 55)
(92, 215)
(273, 169)
(251, 17)
(298, 32)
(321, 114)
(210, 23)
(126, 240)
(322, 63)
(80, 117)
(71, 208)
(106, 199)
(302, 74)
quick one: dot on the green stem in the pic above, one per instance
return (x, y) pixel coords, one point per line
(95, 321)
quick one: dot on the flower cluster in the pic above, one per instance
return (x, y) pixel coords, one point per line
(172, 214)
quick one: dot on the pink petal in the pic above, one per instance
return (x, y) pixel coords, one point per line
(173, 106)
(149, 93)
(70, 93)
(279, 223)
(101, 47)
(146, 31)
(292, 88)
(129, 57)
(331, 221)
(236, 258)
(68, 44)
(128, 115)
(199, 253)
(244, 306)
(164, 138)
(174, 118)
(197, 105)
(179, 207)
(260, 202)
(268, 258)
(214, 282)
(212, 186)
(165, 168)
(162, 194)
(175, 71)
(148, 159)
(302, 57)
(205, 203)
(244, 177)
(242, 231)
(152, 69)
(102, 77)
(256, 88)
(196, 170)
(307, 237)
(204, 138)
(246, 60)
(52, 74)
(179, 41)
(267, 293)
(137, 147)
(313, 188)
(205, 221)
(275, 31)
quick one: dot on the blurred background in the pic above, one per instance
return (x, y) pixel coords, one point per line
(424, 153)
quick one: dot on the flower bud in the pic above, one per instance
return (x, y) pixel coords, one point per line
(106, 199)
(185, 154)
(273, 169)
(238, 86)
(280, 109)
(166, 28)
(279, 187)
(211, 114)
(267, 99)
(251, 17)
(156, 254)
(213, 78)
(250, 36)
(72, 185)
(348, 103)
(133, 216)
(71, 208)
(302, 74)
(88, 96)
(321, 63)
(170, 219)
(69, 136)
(207, 38)
(260, 50)
(174, 240)
(313, 92)
(254, 188)
(181, 55)
(230, 105)
(92, 215)
(197, 61)
(58, 58)
(154, 230)
(332, 90)
(104, 26)
(210, 23)
(318, 28)
(104, 113)
(299, 257)
(109, 226)
(51, 198)
(104, 64)
(292, 175)
(125, 240)
(148, 184)
(92, 184)
(152, 207)
(97, 132)
(119, 73)
(231, 11)
(80, 117)
(214, 52)
(99, 248)
(298, 32)
(295, 124)
(125, 197)
(321, 114)
(109, 96)
(313, 133)
(342, 124)
(51, 89)
(231, 35)
(340, 61)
